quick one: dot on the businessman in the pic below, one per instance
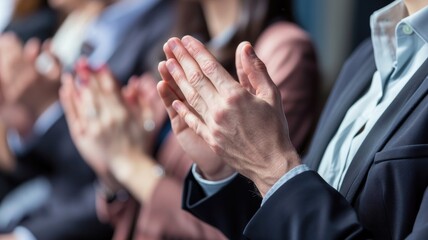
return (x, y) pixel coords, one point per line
(365, 175)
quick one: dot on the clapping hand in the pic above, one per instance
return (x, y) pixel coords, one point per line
(242, 123)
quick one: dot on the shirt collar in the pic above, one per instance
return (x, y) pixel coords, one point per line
(418, 21)
(384, 25)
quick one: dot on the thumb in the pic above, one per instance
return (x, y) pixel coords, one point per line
(257, 74)
(32, 49)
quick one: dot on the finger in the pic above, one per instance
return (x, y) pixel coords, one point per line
(108, 86)
(146, 87)
(243, 78)
(191, 71)
(209, 65)
(52, 66)
(193, 121)
(68, 97)
(167, 51)
(192, 96)
(168, 97)
(166, 76)
(257, 74)
(83, 71)
(130, 91)
(32, 49)
(110, 103)
(47, 46)
(106, 79)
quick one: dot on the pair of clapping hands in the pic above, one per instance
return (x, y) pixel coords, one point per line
(111, 127)
(222, 124)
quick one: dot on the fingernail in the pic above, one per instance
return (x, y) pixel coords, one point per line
(170, 66)
(250, 52)
(172, 44)
(176, 105)
(186, 41)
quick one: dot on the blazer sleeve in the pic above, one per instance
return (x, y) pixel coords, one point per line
(229, 210)
(303, 208)
(291, 62)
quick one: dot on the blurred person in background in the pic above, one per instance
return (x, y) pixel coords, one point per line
(115, 137)
(286, 49)
(121, 35)
(29, 19)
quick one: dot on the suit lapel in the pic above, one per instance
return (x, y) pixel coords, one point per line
(392, 118)
(336, 111)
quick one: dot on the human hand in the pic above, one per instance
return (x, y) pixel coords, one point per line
(101, 126)
(144, 102)
(243, 124)
(24, 90)
(211, 165)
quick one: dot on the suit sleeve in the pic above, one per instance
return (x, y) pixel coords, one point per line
(229, 210)
(303, 208)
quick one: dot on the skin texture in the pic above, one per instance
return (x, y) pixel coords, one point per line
(107, 126)
(222, 112)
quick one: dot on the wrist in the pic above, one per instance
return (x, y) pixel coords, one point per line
(138, 173)
(266, 178)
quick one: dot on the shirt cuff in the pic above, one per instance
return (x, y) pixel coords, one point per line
(211, 187)
(287, 176)
(22, 233)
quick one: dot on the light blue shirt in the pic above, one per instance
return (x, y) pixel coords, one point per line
(400, 48)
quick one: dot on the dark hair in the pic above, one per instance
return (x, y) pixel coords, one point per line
(255, 16)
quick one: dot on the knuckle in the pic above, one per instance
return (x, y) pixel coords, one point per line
(196, 78)
(193, 99)
(220, 117)
(235, 98)
(259, 65)
(180, 55)
(209, 67)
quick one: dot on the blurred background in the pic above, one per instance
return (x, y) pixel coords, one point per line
(336, 28)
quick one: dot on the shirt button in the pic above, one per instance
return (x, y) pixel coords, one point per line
(407, 29)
